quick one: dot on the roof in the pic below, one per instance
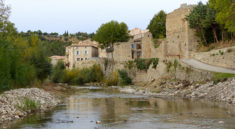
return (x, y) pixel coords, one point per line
(137, 31)
(85, 43)
(58, 57)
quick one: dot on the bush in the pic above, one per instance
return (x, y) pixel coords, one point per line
(129, 64)
(155, 62)
(143, 64)
(112, 79)
(84, 75)
(124, 78)
(58, 72)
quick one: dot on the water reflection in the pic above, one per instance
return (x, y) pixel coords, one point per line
(116, 110)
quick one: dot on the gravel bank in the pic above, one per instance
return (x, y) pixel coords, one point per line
(222, 91)
(16, 104)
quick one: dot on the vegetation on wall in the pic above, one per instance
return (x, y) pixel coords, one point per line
(157, 25)
(129, 64)
(124, 78)
(143, 64)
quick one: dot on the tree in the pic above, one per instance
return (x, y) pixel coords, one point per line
(195, 19)
(225, 13)
(209, 21)
(157, 25)
(110, 33)
(58, 72)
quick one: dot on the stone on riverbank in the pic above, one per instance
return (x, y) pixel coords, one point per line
(222, 91)
(15, 104)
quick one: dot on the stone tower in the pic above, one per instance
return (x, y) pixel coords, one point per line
(181, 39)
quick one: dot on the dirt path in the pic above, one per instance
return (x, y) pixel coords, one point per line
(199, 65)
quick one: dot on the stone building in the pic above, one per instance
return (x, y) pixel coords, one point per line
(56, 59)
(82, 51)
(181, 39)
(139, 46)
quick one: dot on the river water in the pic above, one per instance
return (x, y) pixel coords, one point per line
(97, 108)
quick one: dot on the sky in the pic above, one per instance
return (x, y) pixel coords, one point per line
(86, 15)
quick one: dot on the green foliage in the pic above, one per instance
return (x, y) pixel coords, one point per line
(84, 75)
(202, 18)
(110, 33)
(221, 52)
(129, 64)
(22, 59)
(168, 65)
(124, 78)
(143, 64)
(84, 35)
(157, 25)
(155, 62)
(224, 13)
(58, 72)
(176, 63)
(27, 104)
(229, 50)
(156, 46)
(112, 79)
(220, 76)
(211, 48)
(54, 47)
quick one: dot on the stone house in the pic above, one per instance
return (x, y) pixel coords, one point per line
(56, 59)
(81, 51)
(139, 46)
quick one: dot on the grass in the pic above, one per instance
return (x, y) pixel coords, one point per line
(220, 76)
(27, 104)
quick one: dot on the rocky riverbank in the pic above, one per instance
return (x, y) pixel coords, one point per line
(222, 91)
(16, 104)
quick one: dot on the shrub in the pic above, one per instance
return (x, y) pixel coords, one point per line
(229, 50)
(221, 52)
(155, 62)
(124, 78)
(58, 72)
(112, 79)
(129, 64)
(84, 75)
(168, 66)
(143, 64)
(176, 63)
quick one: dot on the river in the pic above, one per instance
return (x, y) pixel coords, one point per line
(107, 108)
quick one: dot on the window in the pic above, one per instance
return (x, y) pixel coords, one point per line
(78, 52)
(78, 59)
(81, 59)
(132, 45)
(139, 54)
(85, 58)
(138, 46)
(86, 52)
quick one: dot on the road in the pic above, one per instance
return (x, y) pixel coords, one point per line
(199, 65)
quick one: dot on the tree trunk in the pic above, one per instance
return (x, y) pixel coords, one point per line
(214, 33)
(222, 35)
(203, 35)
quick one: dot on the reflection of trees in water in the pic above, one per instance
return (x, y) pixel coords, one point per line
(36, 119)
(113, 109)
